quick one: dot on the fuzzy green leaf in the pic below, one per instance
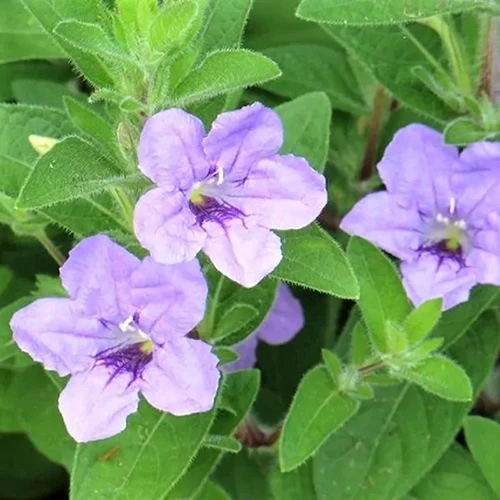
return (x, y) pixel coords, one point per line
(313, 259)
(223, 72)
(317, 411)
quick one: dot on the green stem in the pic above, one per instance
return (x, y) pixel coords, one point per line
(368, 369)
(206, 327)
(110, 214)
(454, 50)
(51, 248)
(124, 203)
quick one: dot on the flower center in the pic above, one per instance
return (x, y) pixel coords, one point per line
(206, 202)
(448, 235)
(132, 353)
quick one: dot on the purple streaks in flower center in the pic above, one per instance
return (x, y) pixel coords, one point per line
(211, 210)
(206, 203)
(132, 353)
(448, 237)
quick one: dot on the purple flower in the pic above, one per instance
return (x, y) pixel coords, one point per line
(121, 332)
(439, 215)
(223, 192)
(284, 321)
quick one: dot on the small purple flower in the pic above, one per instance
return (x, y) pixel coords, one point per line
(283, 322)
(439, 215)
(121, 332)
(223, 192)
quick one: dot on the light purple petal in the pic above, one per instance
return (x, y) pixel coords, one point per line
(55, 333)
(182, 378)
(238, 139)
(170, 150)
(96, 275)
(95, 406)
(484, 256)
(285, 319)
(385, 220)
(243, 255)
(282, 192)
(170, 299)
(164, 224)
(247, 352)
(429, 278)
(475, 155)
(418, 163)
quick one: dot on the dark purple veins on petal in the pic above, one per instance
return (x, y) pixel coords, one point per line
(129, 358)
(211, 210)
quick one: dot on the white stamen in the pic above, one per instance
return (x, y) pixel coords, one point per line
(453, 205)
(125, 327)
(220, 176)
(442, 219)
(461, 224)
(128, 326)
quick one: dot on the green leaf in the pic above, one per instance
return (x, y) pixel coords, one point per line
(47, 15)
(390, 53)
(8, 401)
(483, 440)
(382, 452)
(225, 355)
(441, 376)
(382, 296)
(174, 26)
(21, 38)
(234, 312)
(224, 443)
(366, 12)
(42, 92)
(212, 491)
(223, 72)
(295, 484)
(73, 169)
(239, 390)
(91, 124)
(395, 338)
(224, 24)
(89, 38)
(454, 476)
(144, 461)
(308, 68)
(306, 123)
(39, 415)
(244, 475)
(317, 411)
(360, 350)
(422, 320)
(332, 364)
(18, 122)
(313, 259)
(463, 131)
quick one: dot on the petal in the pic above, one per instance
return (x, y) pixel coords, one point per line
(418, 163)
(95, 406)
(164, 224)
(170, 151)
(429, 278)
(170, 299)
(238, 139)
(484, 256)
(182, 378)
(479, 153)
(243, 255)
(96, 275)
(247, 352)
(285, 319)
(55, 333)
(282, 192)
(385, 220)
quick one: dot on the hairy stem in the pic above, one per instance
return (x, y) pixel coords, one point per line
(51, 248)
